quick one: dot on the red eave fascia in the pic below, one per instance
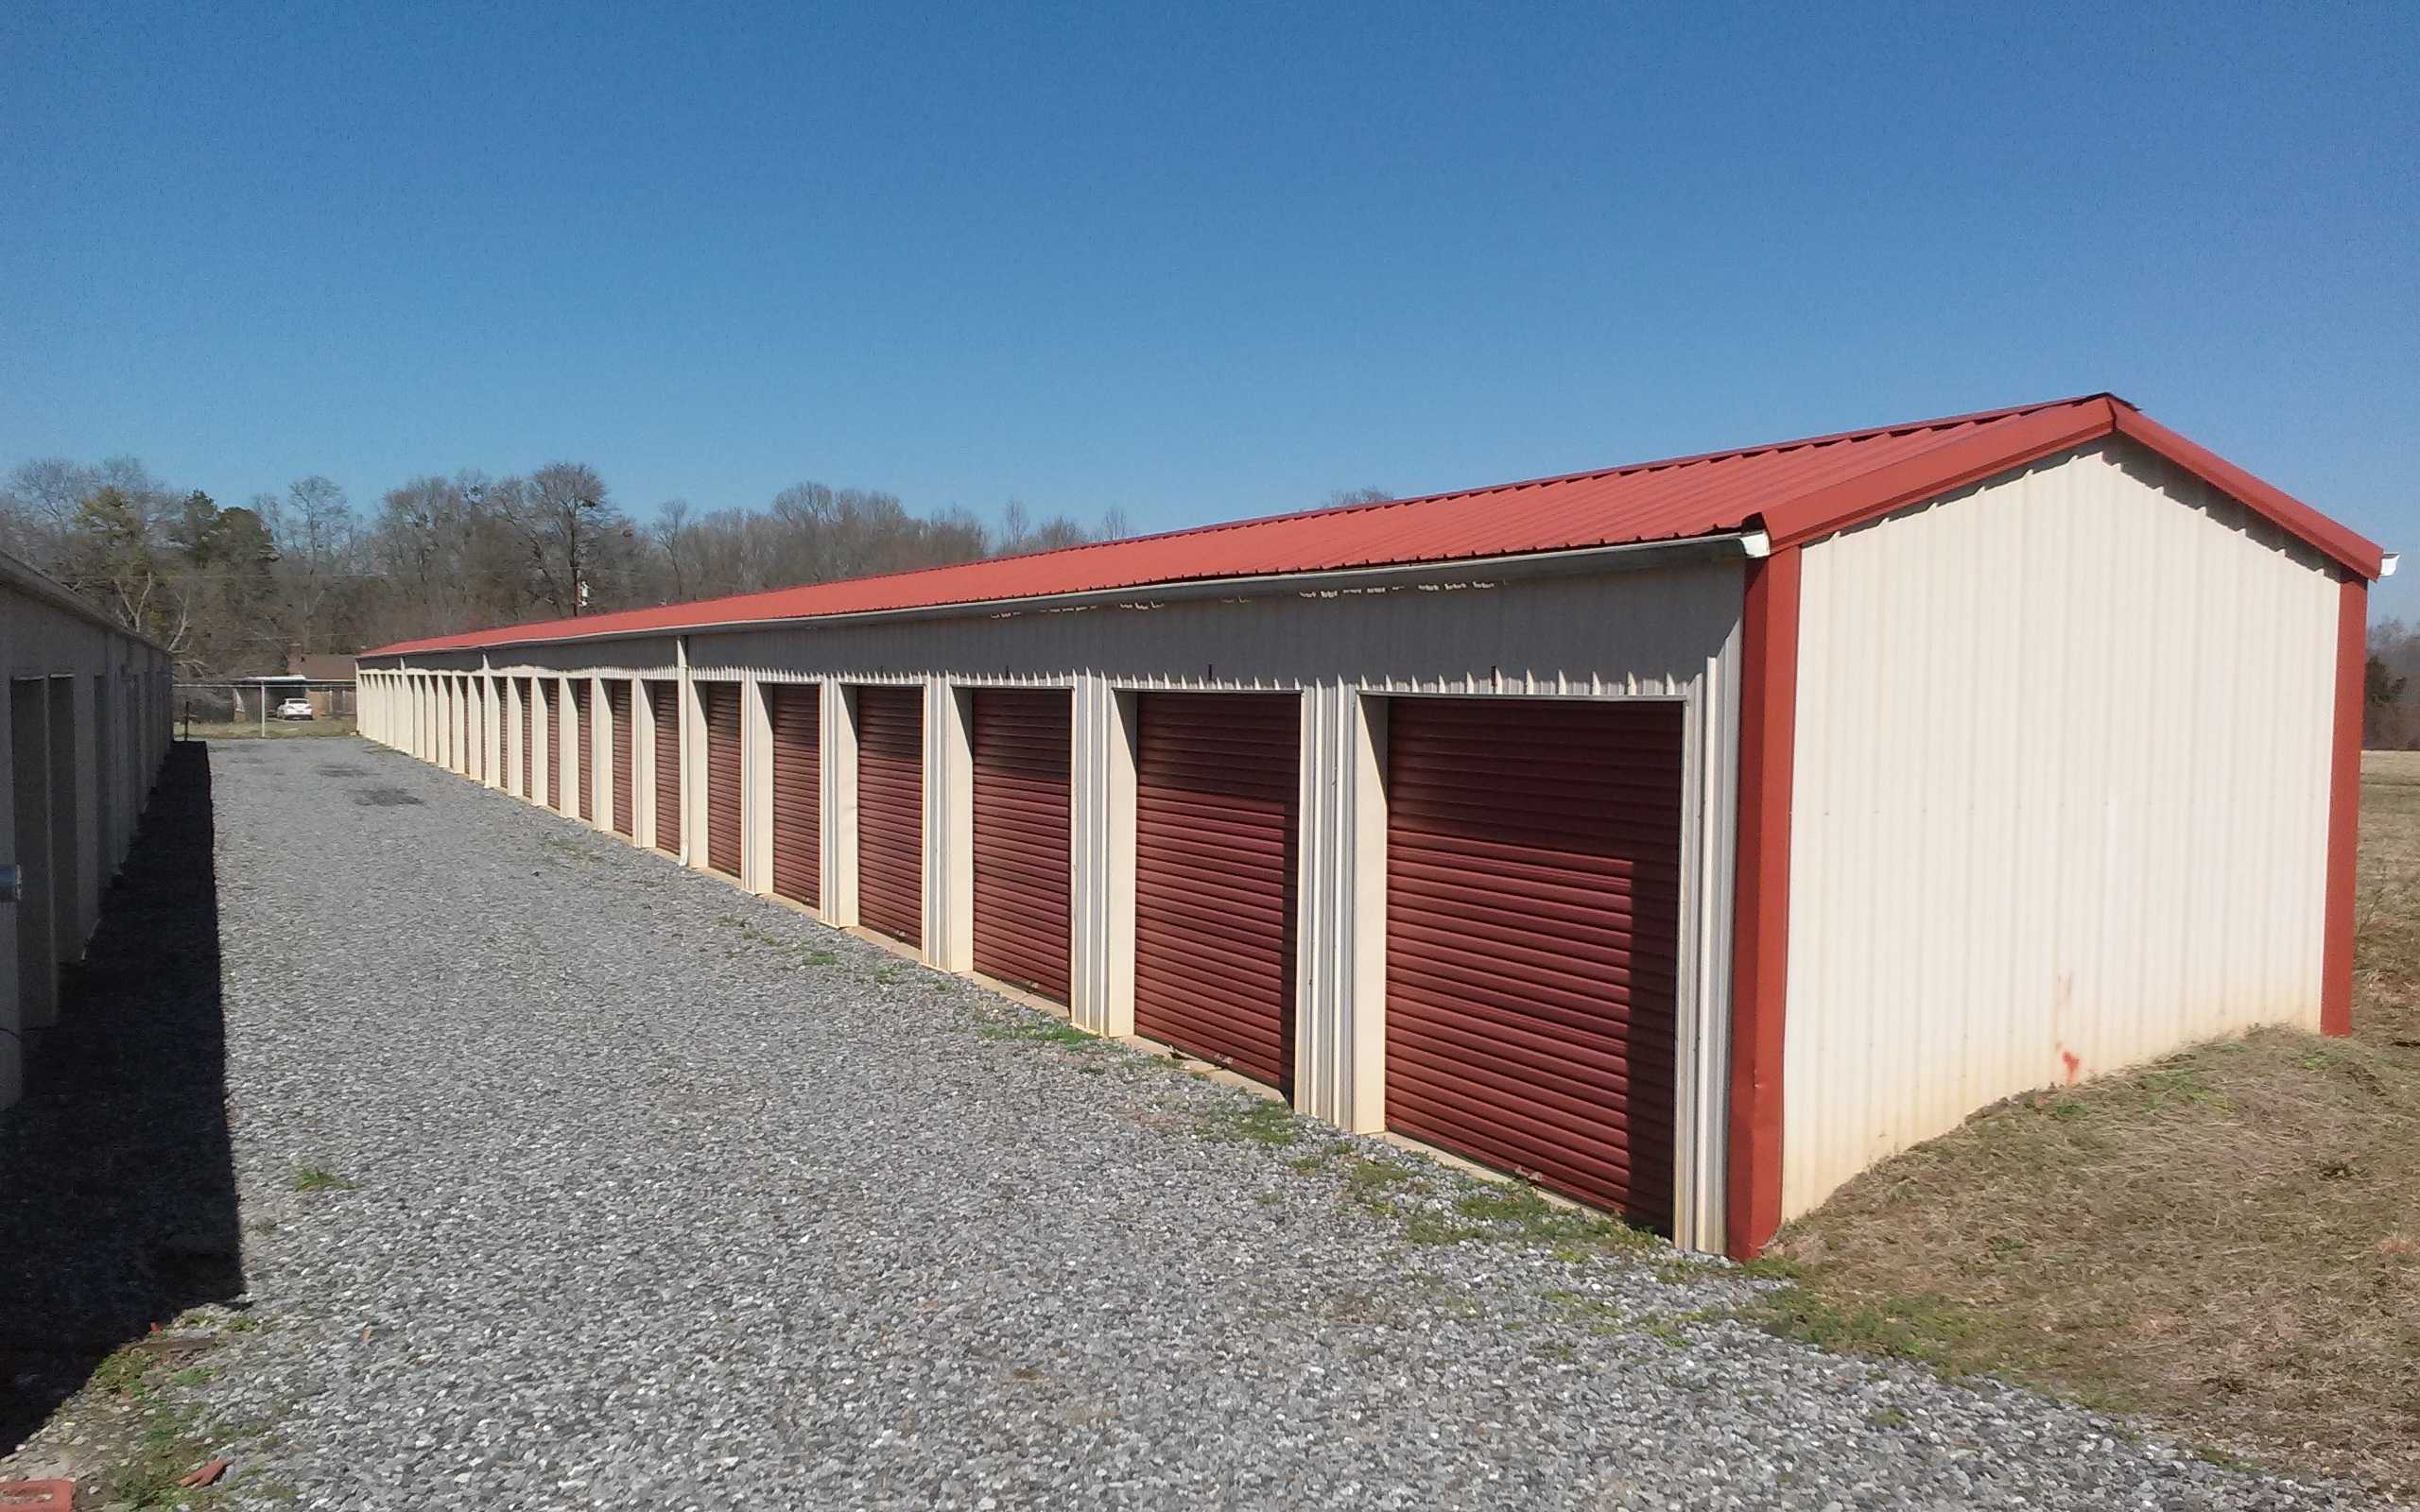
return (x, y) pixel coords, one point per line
(2357, 553)
(1971, 458)
(1956, 462)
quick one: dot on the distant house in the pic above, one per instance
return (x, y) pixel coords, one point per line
(319, 669)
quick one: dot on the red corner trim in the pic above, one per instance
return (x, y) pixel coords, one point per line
(2349, 548)
(1760, 913)
(2344, 808)
(1967, 457)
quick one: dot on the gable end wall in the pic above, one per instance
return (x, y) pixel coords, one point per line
(2060, 797)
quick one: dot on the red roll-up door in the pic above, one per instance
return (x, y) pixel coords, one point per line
(1533, 902)
(798, 790)
(553, 701)
(529, 737)
(890, 811)
(1024, 747)
(617, 709)
(664, 703)
(585, 736)
(1215, 800)
(721, 700)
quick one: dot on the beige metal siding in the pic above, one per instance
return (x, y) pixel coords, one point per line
(1645, 632)
(73, 778)
(2061, 798)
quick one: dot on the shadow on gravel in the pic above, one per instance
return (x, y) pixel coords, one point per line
(117, 1193)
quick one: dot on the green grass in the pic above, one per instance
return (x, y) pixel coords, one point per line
(1256, 1121)
(166, 1450)
(1365, 1180)
(1037, 1031)
(1672, 1328)
(318, 1179)
(1520, 1214)
(123, 1372)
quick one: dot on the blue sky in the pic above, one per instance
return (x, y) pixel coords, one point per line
(1193, 262)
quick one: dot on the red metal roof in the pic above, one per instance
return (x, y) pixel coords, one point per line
(1793, 489)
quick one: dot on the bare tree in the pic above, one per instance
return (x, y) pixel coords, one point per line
(1346, 498)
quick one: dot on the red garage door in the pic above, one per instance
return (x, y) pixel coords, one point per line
(551, 694)
(1533, 876)
(664, 703)
(585, 736)
(798, 791)
(617, 709)
(529, 737)
(721, 701)
(1024, 747)
(890, 811)
(1215, 803)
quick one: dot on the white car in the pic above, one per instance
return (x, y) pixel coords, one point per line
(295, 708)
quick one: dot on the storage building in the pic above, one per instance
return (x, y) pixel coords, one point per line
(1684, 836)
(83, 731)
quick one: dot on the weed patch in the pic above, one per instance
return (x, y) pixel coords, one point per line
(318, 1179)
(1037, 1031)
(1256, 1121)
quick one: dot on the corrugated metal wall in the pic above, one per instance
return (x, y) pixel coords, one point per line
(617, 709)
(664, 706)
(2061, 798)
(1022, 762)
(583, 715)
(84, 724)
(1533, 926)
(724, 805)
(890, 811)
(794, 713)
(550, 694)
(1630, 632)
(1216, 786)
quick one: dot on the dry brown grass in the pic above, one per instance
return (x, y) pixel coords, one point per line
(2227, 1241)
(251, 728)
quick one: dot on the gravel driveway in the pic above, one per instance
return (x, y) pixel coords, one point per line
(669, 1197)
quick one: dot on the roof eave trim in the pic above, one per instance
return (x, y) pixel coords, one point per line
(1940, 470)
(1521, 564)
(2352, 550)
(1998, 449)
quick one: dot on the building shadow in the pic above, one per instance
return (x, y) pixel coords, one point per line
(118, 1187)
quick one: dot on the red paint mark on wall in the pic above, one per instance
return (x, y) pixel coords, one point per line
(2075, 1065)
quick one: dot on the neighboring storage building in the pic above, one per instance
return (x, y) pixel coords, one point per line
(84, 729)
(1684, 836)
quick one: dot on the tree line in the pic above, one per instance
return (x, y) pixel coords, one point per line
(234, 588)
(2392, 712)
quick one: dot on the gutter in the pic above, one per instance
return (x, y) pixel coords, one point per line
(1749, 544)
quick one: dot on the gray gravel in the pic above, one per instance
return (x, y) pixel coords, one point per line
(660, 1207)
